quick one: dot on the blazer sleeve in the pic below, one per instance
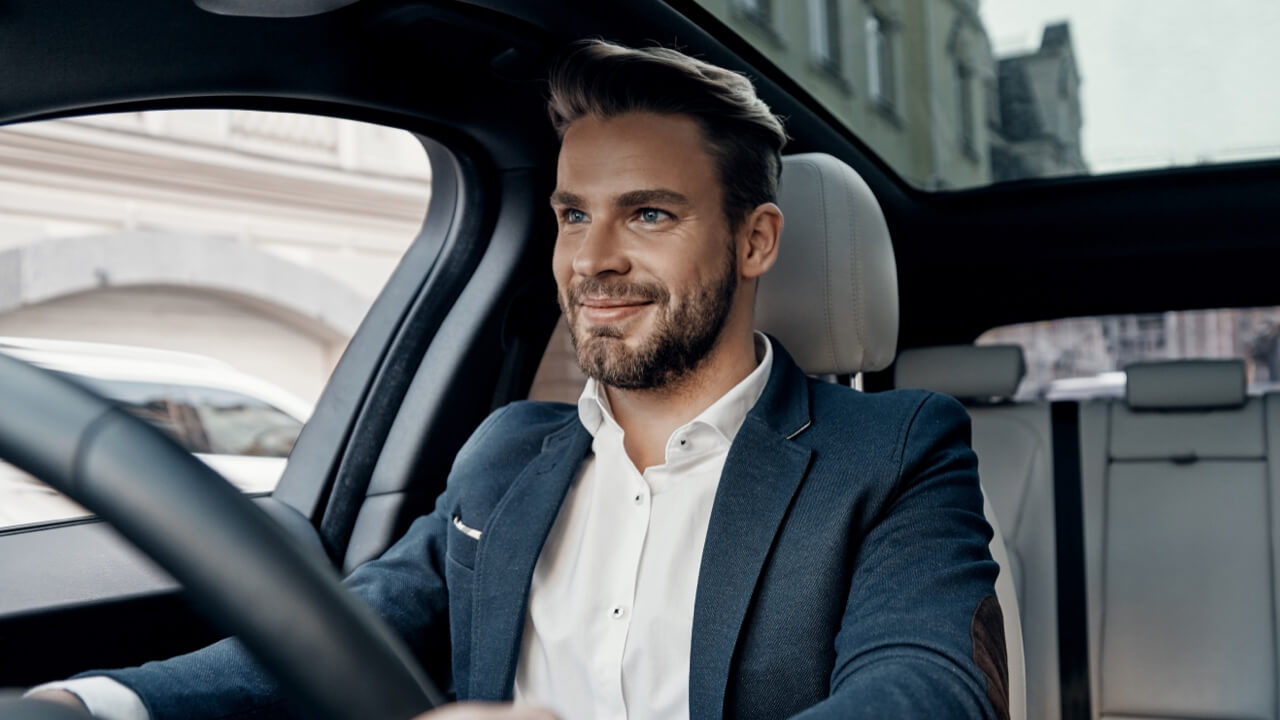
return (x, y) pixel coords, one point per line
(405, 586)
(922, 635)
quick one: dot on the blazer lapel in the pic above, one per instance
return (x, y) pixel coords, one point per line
(761, 475)
(506, 558)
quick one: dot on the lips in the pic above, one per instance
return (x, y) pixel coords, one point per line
(611, 302)
(611, 310)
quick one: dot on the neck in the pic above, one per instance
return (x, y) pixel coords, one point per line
(648, 417)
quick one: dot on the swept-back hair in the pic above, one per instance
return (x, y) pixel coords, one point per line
(604, 79)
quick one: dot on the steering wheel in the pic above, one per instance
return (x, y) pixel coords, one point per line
(325, 647)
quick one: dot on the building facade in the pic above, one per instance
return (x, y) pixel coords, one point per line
(1036, 131)
(915, 79)
(257, 238)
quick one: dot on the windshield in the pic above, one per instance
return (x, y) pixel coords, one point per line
(965, 93)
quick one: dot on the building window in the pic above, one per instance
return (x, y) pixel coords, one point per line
(824, 34)
(880, 69)
(758, 11)
(964, 106)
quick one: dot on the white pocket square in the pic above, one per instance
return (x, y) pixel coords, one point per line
(468, 531)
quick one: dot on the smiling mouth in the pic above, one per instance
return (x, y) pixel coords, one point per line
(611, 310)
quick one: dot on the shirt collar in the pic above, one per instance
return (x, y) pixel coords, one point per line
(725, 415)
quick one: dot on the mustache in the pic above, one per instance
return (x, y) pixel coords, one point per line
(612, 288)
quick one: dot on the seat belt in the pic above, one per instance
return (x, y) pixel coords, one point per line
(1068, 504)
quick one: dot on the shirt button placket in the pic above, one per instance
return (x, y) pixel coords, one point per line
(632, 530)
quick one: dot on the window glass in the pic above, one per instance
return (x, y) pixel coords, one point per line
(1077, 358)
(1071, 87)
(964, 106)
(824, 34)
(236, 424)
(204, 268)
(159, 405)
(757, 11)
(880, 79)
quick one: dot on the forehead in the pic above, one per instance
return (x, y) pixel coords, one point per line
(602, 157)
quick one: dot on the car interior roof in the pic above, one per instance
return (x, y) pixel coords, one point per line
(468, 73)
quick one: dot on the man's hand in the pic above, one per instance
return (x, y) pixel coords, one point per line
(485, 711)
(62, 697)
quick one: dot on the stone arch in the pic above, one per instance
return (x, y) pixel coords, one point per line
(282, 321)
(57, 267)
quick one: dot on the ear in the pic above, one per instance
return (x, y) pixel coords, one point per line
(758, 240)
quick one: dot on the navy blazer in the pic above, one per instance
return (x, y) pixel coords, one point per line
(845, 573)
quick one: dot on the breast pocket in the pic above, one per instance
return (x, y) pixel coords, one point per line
(463, 539)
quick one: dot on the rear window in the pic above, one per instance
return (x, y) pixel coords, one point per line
(1083, 357)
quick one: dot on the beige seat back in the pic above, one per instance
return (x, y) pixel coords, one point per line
(1180, 506)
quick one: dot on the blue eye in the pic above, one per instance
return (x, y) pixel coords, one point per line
(574, 216)
(653, 215)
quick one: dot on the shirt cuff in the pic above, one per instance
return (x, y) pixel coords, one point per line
(105, 698)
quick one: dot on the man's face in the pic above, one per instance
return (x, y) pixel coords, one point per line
(644, 261)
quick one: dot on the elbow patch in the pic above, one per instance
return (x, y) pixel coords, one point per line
(986, 630)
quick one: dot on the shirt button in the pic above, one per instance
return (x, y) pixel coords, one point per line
(684, 443)
(639, 499)
(618, 612)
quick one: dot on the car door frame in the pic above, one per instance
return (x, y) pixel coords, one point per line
(79, 596)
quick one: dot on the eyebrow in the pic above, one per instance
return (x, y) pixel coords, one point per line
(632, 198)
(660, 196)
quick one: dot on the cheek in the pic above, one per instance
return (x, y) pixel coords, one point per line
(562, 261)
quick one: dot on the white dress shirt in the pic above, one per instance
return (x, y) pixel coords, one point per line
(610, 617)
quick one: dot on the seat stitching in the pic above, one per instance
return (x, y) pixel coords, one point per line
(1271, 546)
(1102, 562)
(856, 288)
(826, 266)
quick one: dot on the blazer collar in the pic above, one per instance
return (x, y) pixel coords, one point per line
(761, 476)
(783, 407)
(505, 559)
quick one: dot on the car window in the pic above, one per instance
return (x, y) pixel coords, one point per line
(967, 93)
(159, 405)
(1084, 357)
(236, 424)
(203, 268)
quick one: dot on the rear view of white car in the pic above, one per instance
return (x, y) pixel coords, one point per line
(237, 424)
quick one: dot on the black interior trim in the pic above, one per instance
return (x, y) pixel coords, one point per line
(1068, 503)
(459, 223)
(271, 8)
(463, 369)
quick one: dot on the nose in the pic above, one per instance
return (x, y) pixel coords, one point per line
(600, 251)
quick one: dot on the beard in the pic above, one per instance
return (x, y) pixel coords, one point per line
(682, 337)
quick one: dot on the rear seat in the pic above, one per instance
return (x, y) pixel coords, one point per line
(1180, 502)
(1015, 462)
(1181, 492)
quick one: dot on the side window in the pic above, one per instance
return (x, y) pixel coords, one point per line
(203, 268)
(159, 405)
(236, 424)
(1085, 357)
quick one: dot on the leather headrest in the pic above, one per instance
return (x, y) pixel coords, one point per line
(832, 297)
(1185, 385)
(968, 372)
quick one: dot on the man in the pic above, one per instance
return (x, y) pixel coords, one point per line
(709, 532)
